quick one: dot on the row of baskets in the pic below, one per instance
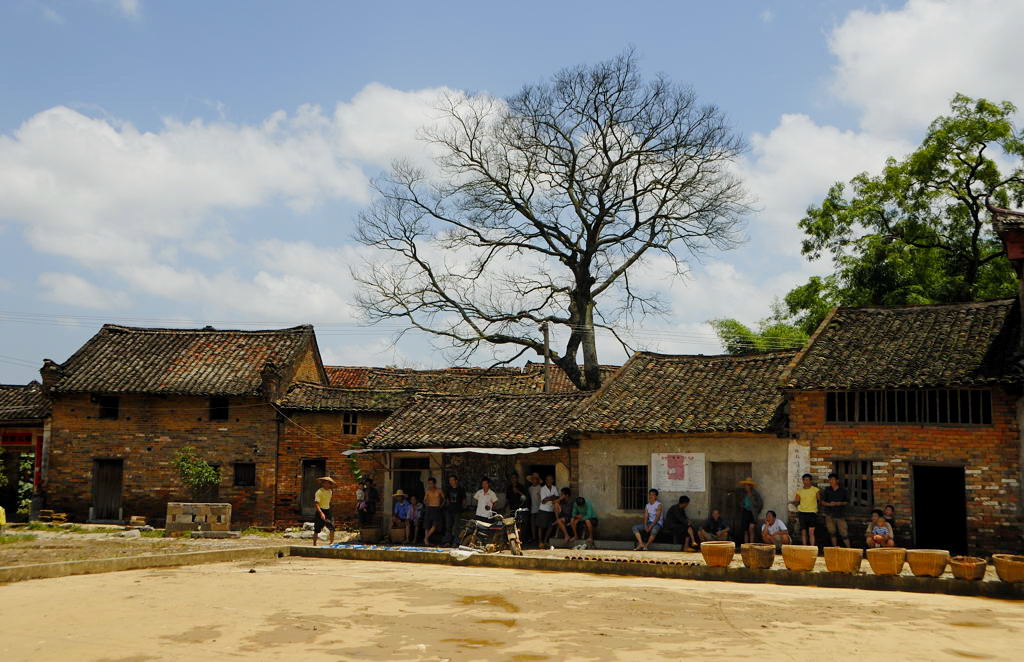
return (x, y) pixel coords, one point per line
(883, 561)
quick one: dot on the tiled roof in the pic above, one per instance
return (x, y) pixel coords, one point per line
(121, 359)
(962, 344)
(314, 397)
(487, 421)
(1007, 219)
(459, 381)
(661, 393)
(22, 402)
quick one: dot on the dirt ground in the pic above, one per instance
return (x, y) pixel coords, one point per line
(51, 546)
(325, 609)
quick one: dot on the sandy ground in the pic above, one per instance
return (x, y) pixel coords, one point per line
(321, 609)
(50, 546)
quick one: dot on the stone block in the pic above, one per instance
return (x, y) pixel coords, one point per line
(198, 517)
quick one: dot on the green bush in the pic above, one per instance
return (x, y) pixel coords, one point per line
(195, 472)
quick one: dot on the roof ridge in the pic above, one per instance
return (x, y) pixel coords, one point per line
(208, 329)
(777, 353)
(922, 306)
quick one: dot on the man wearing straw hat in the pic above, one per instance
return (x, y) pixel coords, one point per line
(322, 499)
(750, 508)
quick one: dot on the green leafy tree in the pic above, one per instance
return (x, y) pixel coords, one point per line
(195, 472)
(920, 231)
(737, 338)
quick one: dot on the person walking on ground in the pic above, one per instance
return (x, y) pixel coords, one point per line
(322, 501)
(654, 519)
(534, 492)
(806, 501)
(774, 531)
(433, 515)
(677, 525)
(834, 500)
(454, 502)
(583, 511)
(546, 511)
(715, 528)
(750, 512)
(879, 533)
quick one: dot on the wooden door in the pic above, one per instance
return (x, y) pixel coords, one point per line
(726, 493)
(311, 471)
(107, 484)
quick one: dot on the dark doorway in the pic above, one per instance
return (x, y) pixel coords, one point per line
(940, 508)
(311, 470)
(726, 493)
(411, 474)
(541, 470)
(107, 484)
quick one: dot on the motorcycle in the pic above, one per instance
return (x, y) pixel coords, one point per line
(494, 535)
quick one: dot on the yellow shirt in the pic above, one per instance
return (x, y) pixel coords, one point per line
(3, 516)
(808, 499)
(323, 497)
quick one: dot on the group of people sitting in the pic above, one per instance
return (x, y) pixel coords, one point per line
(771, 530)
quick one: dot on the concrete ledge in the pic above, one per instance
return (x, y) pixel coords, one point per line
(19, 573)
(683, 570)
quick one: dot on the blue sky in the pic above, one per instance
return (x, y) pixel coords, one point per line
(165, 161)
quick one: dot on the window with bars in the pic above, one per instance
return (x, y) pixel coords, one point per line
(632, 487)
(350, 423)
(856, 477)
(245, 474)
(110, 406)
(219, 409)
(955, 406)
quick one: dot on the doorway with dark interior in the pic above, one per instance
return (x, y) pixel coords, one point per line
(311, 471)
(940, 508)
(107, 485)
(411, 475)
(727, 494)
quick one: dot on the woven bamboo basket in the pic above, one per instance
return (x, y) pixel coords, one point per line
(927, 562)
(397, 536)
(370, 535)
(799, 557)
(887, 560)
(846, 560)
(1009, 567)
(968, 567)
(757, 555)
(718, 553)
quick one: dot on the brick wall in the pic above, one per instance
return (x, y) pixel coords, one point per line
(990, 455)
(312, 435)
(146, 435)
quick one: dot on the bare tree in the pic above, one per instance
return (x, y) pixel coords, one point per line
(542, 207)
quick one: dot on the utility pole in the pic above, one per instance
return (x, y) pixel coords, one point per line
(547, 359)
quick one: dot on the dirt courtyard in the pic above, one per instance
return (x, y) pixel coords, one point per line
(325, 609)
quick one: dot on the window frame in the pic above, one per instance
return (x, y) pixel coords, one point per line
(632, 496)
(959, 407)
(350, 422)
(220, 408)
(235, 479)
(108, 411)
(865, 474)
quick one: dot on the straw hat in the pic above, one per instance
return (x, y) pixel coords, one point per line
(327, 479)
(748, 481)
(399, 493)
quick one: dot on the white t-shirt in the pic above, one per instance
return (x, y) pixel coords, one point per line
(546, 492)
(778, 526)
(485, 502)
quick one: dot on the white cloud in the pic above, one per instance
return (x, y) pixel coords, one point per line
(51, 14)
(900, 67)
(794, 165)
(767, 15)
(72, 290)
(130, 8)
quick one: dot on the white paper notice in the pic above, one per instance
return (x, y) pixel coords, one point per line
(678, 472)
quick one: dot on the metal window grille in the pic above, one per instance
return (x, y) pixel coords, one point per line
(632, 487)
(350, 423)
(856, 477)
(245, 474)
(951, 406)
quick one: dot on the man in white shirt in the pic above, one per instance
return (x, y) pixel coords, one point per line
(546, 511)
(774, 531)
(485, 499)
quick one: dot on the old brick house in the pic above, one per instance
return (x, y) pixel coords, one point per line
(129, 398)
(693, 425)
(24, 433)
(917, 407)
